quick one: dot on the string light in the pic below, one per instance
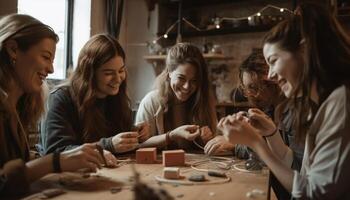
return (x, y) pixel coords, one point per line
(218, 21)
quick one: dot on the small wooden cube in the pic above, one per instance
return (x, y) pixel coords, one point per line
(146, 155)
(174, 158)
(171, 172)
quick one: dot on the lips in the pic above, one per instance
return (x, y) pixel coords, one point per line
(282, 82)
(42, 76)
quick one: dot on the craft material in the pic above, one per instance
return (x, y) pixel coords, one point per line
(100, 150)
(171, 172)
(174, 158)
(216, 173)
(146, 155)
(197, 178)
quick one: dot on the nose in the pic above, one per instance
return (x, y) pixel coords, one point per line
(50, 69)
(117, 77)
(271, 75)
(186, 85)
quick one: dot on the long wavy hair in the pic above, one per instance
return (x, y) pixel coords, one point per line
(97, 123)
(27, 32)
(315, 32)
(202, 102)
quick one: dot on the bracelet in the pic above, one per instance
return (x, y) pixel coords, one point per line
(56, 162)
(167, 138)
(272, 134)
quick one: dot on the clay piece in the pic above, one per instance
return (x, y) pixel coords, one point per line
(174, 158)
(146, 155)
(171, 172)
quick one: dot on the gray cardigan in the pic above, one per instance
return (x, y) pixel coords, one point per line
(61, 130)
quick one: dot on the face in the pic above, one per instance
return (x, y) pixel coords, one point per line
(33, 65)
(110, 76)
(284, 68)
(183, 81)
(257, 90)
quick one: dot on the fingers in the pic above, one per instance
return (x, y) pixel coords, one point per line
(110, 159)
(191, 128)
(211, 147)
(129, 134)
(126, 147)
(192, 136)
(129, 141)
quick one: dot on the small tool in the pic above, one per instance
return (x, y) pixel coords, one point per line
(216, 173)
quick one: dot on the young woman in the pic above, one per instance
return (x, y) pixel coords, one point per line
(182, 102)
(262, 94)
(93, 106)
(27, 49)
(308, 56)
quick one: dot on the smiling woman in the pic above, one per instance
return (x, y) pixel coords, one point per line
(27, 49)
(181, 103)
(92, 105)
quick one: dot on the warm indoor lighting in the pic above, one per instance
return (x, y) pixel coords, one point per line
(258, 14)
(165, 36)
(281, 10)
(217, 26)
(249, 18)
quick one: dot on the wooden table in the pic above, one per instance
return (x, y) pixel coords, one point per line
(99, 185)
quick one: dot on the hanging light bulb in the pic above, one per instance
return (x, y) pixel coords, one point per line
(154, 41)
(165, 35)
(249, 18)
(217, 22)
(258, 14)
(282, 10)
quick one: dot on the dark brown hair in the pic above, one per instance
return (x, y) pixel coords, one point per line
(27, 32)
(202, 106)
(96, 123)
(315, 32)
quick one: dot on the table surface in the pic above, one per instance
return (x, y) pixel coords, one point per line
(99, 185)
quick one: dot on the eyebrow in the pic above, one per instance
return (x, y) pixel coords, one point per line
(47, 51)
(108, 69)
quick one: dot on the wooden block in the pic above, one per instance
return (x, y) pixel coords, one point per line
(146, 155)
(171, 172)
(174, 158)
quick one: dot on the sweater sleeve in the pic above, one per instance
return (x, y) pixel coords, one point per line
(57, 132)
(147, 111)
(13, 178)
(325, 171)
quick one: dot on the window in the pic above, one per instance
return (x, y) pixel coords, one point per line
(52, 13)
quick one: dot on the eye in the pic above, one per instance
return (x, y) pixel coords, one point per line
(108, 73)
(122, 70)
(272, 61)
(181, 78)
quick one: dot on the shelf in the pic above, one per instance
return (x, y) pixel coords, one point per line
(158, 61)
(209, 56)
(223, 31)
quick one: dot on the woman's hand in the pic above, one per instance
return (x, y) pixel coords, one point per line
(218, 145)
(206, 134)
(188, 132)
(125, 141)
(111, 160)
(84, 156)
(238, 130)
(263, 123)
(144, 131)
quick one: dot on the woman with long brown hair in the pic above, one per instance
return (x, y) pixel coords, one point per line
(27, 51)
(93, 106)
(309, 56)
(181, 103)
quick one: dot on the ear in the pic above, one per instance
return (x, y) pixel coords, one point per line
(11, 47)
